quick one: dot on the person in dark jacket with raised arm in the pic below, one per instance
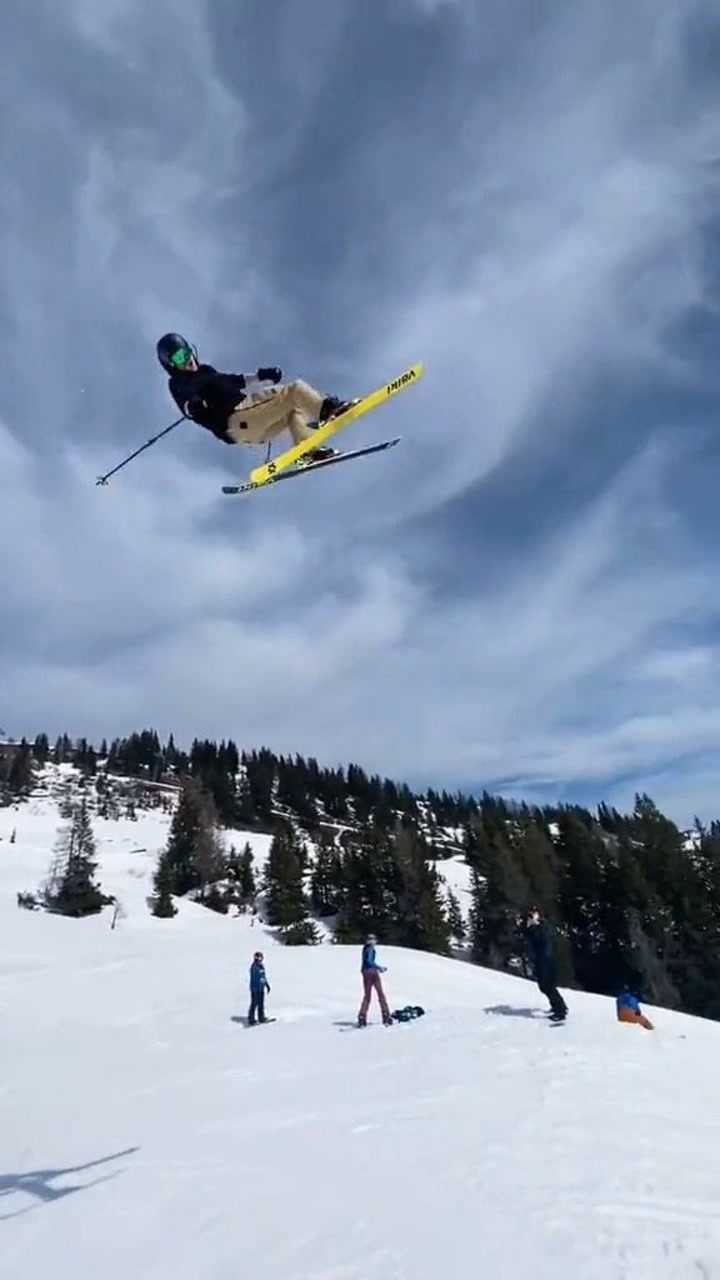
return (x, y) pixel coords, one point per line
(542, 954)
(244, 408)
(258, 986)
(371, 971)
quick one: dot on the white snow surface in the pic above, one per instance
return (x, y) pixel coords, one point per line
(146, 1134)
(456, 874)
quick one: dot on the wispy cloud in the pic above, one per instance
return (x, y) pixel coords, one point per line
(522, 595)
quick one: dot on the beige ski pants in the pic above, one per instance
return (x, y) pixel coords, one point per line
(265, 414)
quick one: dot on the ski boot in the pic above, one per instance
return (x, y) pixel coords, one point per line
(332, 407)
(362, 1020)
(321, 454)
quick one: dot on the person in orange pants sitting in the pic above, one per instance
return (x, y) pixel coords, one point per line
(628, 1010)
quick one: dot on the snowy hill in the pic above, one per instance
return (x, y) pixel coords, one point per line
(147, 1134)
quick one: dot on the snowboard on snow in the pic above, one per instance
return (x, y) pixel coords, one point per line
(407, 1014)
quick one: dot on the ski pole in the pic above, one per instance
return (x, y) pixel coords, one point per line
(153, 440)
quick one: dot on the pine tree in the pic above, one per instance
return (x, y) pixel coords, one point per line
(260, 774)
(304, 933)
(171, 753)
(456, 923)
(650, 961)
(163, 905)
(326, 884)
(585, 850)
(210, 858)
(500, 891)
(86, 758)
(293, 789)
(246, 814)
(247, 885)
(20, 776)
(536, 854)
(72, 890)
(180, 850)
(370, 885)
(101, 796)
(285, 896)
(696, 968)
(194, 855)
(215, 768)
(420, 916)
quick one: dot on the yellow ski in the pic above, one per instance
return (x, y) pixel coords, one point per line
(268, 472)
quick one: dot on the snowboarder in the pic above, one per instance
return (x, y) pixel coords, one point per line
(371, 971)
(628, 1009)
(258, 986)
(540, 945)
(241, 408)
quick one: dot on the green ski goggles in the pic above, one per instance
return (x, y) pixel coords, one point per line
(181, 358)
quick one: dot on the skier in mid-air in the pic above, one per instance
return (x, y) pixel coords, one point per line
(245, 408)
(371, 971)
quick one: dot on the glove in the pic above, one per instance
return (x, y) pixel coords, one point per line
(271, 373)
(381, 969)
(267, 986)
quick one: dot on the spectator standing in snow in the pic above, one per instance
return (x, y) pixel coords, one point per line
(258, 986)
(542, 954)
(371, 971)
(628, 1010)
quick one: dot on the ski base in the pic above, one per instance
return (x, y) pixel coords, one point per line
(305, 468)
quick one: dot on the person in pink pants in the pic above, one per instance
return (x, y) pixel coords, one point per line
(372, 981)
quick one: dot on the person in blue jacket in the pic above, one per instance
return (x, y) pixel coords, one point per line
(542, 954)
(628, 1009)
(258, 986)
(371, 971)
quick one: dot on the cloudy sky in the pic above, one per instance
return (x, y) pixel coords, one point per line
(523, 596)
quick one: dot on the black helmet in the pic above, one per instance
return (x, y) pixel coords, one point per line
(174, 352)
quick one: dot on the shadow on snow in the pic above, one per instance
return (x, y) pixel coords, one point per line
(507, 1011)
(39, 1182)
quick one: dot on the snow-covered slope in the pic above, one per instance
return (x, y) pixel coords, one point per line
(456, 874)
(146, 1134)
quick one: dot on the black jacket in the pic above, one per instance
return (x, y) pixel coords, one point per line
(540, 946)
(208, 397)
